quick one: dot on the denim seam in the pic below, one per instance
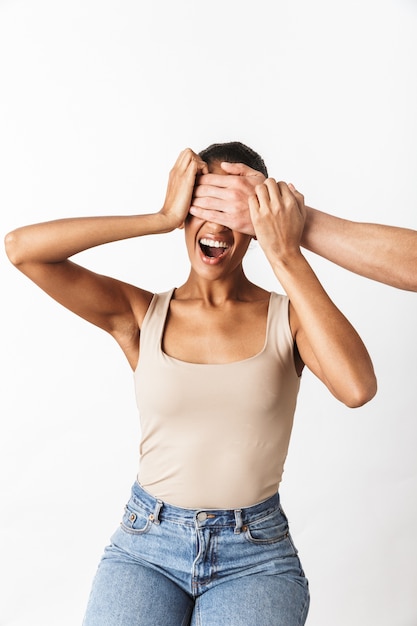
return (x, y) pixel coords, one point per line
(138, 531)
(263, 542)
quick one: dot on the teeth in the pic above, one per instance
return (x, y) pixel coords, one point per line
(214, 244)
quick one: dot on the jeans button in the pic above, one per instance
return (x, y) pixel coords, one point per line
(202, 516)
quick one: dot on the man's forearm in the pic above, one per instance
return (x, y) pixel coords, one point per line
(387, 254)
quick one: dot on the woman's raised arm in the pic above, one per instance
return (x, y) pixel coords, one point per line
(42, 252)
(327, 342)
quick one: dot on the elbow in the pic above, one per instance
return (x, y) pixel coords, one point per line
(411, 283)
(11, 245)
(361, 393)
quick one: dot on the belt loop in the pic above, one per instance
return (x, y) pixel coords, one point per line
(154, 517)
(238, 519)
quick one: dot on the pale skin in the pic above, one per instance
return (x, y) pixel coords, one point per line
(387, 254)
(217, 315)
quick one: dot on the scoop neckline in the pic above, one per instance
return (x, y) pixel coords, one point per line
(180, 362)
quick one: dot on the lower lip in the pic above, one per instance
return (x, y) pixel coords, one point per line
(213, 260)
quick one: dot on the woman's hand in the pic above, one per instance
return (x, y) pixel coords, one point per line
(180, 187)
(326, 341)
(224, 199)
(278, 215)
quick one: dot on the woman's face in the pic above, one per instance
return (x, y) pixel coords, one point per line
(214, 250)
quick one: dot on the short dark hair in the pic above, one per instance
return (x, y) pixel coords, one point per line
(234, 152)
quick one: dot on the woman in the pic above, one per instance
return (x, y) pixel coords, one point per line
(204, 539)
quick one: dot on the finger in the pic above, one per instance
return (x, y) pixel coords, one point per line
(179, 160)
(273, 188)
(289, 194)
(254, 206)
(198, 162)
(262, 193)
(202, 166)
(185, 157)
(214, 180)
(188, 157)
(283, 189)
(294, 193)
(209, 215)
(184, 165)
(253, 200)
(299, 199)
(210, 191)
(297, 194)
(209, 202)
(238, 169)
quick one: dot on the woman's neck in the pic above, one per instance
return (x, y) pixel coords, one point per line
(219, 291)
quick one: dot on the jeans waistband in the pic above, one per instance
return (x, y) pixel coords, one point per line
(160, 510)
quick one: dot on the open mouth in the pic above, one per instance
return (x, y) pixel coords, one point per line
(213, 249)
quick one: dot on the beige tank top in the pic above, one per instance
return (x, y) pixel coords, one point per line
(215, 435)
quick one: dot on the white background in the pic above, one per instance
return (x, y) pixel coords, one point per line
(97, 98)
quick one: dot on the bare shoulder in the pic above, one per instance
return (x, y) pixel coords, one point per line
(140, 300)
(126, 331)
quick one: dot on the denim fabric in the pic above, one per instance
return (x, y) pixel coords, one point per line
(183, 567)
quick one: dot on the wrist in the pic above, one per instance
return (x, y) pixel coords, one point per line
(287, 258)
(294, 273)
(166, 223)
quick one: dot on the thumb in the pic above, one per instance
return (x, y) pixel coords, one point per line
(237, 169)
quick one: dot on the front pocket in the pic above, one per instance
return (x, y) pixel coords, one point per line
(136, 521)
(272, 528)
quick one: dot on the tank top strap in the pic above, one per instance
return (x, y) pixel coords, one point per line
(154, 321)
(279, 336)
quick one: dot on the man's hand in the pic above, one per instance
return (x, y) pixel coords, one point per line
(224, 199)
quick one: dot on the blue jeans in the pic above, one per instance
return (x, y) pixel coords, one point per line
(182, 567)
